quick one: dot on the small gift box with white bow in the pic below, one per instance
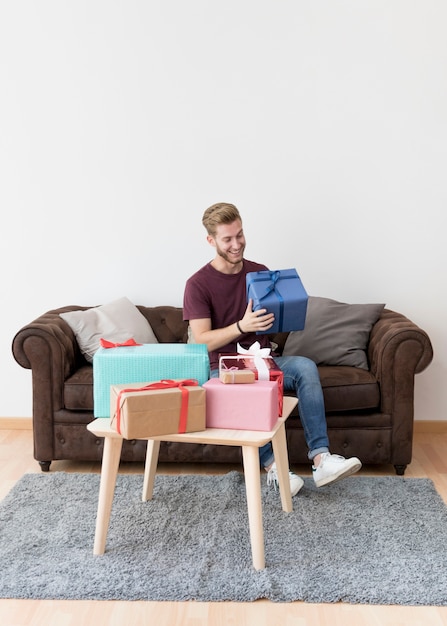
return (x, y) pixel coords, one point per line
(256, 360)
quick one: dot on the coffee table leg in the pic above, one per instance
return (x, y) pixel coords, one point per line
(250, 455)
(279, 444)
(109, 471)
(153, 448)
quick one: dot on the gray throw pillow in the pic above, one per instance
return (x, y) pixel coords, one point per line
(116, 321)
(335, 333)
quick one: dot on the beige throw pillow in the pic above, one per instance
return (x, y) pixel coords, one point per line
(117, 321)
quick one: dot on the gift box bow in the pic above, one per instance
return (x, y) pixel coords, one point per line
(109, 344)
(258, 354)
(162, 384)
(271, 286)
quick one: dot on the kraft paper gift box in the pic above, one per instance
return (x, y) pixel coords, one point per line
(236, 376)
(129, 364)
(280, 292)
(263, 368)
(140, 410)
(241, 407)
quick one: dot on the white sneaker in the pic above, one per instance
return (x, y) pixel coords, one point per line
(295, 481)
(334, 467)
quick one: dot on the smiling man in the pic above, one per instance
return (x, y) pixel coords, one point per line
(215, 306)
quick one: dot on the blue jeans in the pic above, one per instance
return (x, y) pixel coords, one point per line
(301, 376)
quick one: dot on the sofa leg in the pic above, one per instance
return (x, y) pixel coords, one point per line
(400, 469)
(45, 466)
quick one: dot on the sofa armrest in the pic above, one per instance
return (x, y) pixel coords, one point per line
(398, 349)
(49, 348)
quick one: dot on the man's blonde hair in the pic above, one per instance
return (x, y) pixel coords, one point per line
(220, 213)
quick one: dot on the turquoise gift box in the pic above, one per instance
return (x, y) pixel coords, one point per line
(280, 292)
(143, 364)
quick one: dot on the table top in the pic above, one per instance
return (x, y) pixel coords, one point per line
(219, 436)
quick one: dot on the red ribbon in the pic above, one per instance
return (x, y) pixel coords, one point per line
(162, 384)
(108, 344)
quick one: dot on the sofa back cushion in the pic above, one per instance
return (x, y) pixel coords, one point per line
(167, 323)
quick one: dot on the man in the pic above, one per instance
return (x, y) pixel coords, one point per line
(215, 306)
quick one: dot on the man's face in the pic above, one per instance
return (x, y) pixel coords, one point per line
(229, 242)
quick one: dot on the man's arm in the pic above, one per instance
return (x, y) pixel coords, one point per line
(252, 321)
(214, 339)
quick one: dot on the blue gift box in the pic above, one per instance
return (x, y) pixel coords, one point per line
(280, 292)
(143, 364)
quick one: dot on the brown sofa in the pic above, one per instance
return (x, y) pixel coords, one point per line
(369, 412)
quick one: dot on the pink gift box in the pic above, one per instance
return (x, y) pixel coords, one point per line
(229, 363)
(242, 407)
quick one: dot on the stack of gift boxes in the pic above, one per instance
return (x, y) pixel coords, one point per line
(232, 403)
(247, 395)
(151, 389)
(159, 389)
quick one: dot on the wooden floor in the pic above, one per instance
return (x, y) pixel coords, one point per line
(430, 460)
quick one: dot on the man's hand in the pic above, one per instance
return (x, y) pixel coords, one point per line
(254, 321)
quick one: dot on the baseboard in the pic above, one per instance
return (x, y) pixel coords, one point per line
(430, 426)
(16, 423)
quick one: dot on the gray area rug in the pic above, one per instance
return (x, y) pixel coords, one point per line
(363, 540)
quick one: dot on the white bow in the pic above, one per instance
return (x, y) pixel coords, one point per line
(259, 355)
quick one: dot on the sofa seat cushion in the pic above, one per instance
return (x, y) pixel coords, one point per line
(78, 390)
(345, 389)
(348, 388)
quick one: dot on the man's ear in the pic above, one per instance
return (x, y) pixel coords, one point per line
(211, 241)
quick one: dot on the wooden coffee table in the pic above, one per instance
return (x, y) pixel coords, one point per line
(249, 440)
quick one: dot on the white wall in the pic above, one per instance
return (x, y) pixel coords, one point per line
(325, 121)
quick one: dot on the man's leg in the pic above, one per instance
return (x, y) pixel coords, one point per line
(301, 376)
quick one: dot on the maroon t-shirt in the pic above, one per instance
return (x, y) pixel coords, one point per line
(222, 298)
